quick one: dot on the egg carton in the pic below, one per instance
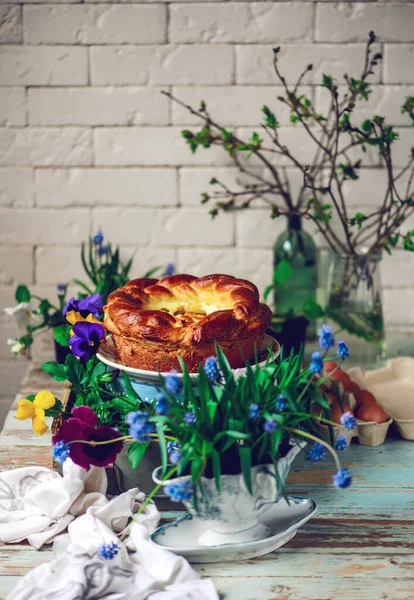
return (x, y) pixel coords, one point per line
(369, 433)
(393, 388)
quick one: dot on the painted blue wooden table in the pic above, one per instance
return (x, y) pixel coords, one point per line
(360, 545)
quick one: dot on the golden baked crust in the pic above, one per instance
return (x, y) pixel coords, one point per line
(153, 321)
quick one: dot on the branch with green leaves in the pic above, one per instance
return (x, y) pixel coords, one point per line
(335, 135)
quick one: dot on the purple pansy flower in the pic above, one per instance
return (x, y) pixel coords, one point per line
(80, 428)
(85, 306)
(86, 339)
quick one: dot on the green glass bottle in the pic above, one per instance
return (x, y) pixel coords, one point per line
(296, 247)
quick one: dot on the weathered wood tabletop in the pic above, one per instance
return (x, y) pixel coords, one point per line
(360, 545)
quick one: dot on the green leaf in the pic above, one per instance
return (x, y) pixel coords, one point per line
(312, 310)
(282, 272)
(327, 81)
(196, 465)
(83, 286)
(135, 453)
(235, 424)
(367, 126)
(245, 455)
(57, 371)
(163, 446)
(61, 335)
(269, 118)
(211, 408)
(98, 371)
(130, 392)
(84, 264)
(236, 435)
(215, 459)
(223, 362)
(275, 439)
(188, 389)
(151, 272)
(268, 290)
(75, 371)
(22, 294)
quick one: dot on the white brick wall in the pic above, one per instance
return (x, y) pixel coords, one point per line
(88, 141)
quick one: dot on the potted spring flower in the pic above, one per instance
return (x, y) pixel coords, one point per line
(105, 273)
(233, 439)
(223, 440)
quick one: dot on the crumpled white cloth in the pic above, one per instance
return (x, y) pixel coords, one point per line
(78, 573)
(38, 504)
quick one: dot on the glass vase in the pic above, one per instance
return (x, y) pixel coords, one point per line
(355, 305)
(296, 246)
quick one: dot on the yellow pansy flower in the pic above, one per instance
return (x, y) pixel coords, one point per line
(36, 410)
(74, 317)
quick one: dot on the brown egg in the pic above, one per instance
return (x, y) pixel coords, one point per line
(365, 397)
(372, 412)
(336, 412)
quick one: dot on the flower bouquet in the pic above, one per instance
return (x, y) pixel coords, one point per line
(223, 438)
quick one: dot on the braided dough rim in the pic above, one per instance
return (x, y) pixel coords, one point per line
(152, 339)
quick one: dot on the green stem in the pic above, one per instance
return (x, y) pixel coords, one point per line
(41, 300)
(148, 500)
(123, 398)
(125, 438)
(321, 419)
(318, 440)
(323, 379)
(310, 381)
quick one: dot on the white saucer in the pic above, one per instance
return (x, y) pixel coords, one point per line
(282, 518)
(109, 356)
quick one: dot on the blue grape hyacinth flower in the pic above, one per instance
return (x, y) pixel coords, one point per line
(317, 453)
(212, 370)
(341, 443)
(343, 350)
(108, 551)
(174, 452)
(316, 365)
(139, 426)
(254, 411)
(173, 384)
(183, 490)
(270, 426)
(348, 421)
(342, 478)
(326, 337)
(60, 451)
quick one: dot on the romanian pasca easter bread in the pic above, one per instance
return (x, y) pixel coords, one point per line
(154, 321)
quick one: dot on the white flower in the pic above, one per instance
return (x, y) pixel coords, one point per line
(16, 346)
(23, 315)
